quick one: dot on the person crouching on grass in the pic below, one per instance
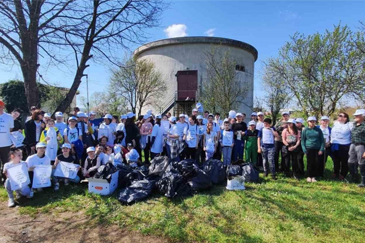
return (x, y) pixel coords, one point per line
(66, 156)
(92, 163)
(266, 147)
(132, 157)
(313, 146)
(227, 143)
(15, 155)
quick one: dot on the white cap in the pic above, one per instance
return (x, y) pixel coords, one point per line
(59, 114)
(195, 109)
(312, 118)
(300, 120)
(359, 112)
(252, 123)
(130, 115)
(182, 115)
(199, 117)
(172, 119)
(90, 149)
(324, 118)
(239, 114)
(108, 116)
(66, 145)
(72, 118)
(40, 145)
(81, 114)
(225, 120)
(47, 115)
(253, 114)
(232, 114)
(158, 116)
(211, 115)
(284, 113)
(291, 121)
(260, 113)
(146, 116)
(92, 113)
(123, 117)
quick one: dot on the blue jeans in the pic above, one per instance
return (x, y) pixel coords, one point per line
(238, 149)
(24, 191)
(227, 154)
(268, 159)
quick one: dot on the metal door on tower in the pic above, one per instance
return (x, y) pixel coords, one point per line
(187, 85)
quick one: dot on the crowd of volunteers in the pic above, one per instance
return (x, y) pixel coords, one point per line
(91, 142)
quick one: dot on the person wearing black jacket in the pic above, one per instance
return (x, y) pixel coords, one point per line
(239, 129)
(132, 132)
(33, 131)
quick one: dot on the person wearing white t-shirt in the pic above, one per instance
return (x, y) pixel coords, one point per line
(227, 143)
(322, 159)
(200, 154)
(61, 126)
(107, 129)
(181, 125)
(209, 141)
(6, 126)
(191, 138)
(172, 140)
(157, 138)
(71, 134)
(340, 145)
(260, 120)
(132, 157)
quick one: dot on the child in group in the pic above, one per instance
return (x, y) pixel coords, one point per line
(266, 146)
(15, 160)
(209, 141)
(227, 143)
(92, 163)
(66, 156)
(132, 157)
(251, 143)
(51, 136)
(40, 158)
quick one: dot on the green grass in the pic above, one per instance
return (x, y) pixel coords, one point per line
(285, 210)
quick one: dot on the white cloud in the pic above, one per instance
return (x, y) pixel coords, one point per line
(210, 32)
(176, 30)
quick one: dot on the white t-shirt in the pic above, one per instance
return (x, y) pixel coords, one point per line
(132, 155)
(181, 128)
(120, 127)
(157, 132)
(34, 160)
(201, 130)
(61, 126)
(227, 139)
(259, 125)
(341, 133)
(209, 141)
(110, 130)
(10, 164)
(37, 130)
(6, 123)
(72, 134)
(267, 136)
(326, 133)
(172, 131)
(118, 159)
(191, 135)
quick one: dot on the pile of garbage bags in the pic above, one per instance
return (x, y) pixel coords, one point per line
(176, 179)
(105, 171)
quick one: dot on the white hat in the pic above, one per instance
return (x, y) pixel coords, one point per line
(291, 121)
(359, 112)
(81, 114)
(146, 116)
(260, 113)
(253, 114)
(252, 123)
(284, 113)
(40, 145)
(66, 145)
(312, 118)
(232, 114)
(90, 149)
(195, 109)
(172, 119)
(130, 115)
(300, 120)
(239, 114)
(123, 117)
(211, 115)
(158, 116)
(47, 115)
(72, 118)
(225, 120)
(199, 117)
(92, 113)
(59, 114)
(324, 118)
(108, 116)
(182, 115)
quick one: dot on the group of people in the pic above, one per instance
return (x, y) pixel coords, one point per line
(126, 141)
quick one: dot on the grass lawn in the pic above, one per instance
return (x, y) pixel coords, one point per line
(285, 210)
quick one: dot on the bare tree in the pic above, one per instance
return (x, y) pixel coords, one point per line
(223, 89)
(29, 29)
(106, 26)
(139, 83)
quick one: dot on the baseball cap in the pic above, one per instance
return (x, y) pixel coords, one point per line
(47, 115)
(239, 114)
(108, 116)
(285, 113)
(72, 118)
(59, 114)
(81, 114)
(195, 109)
(130, 115)
(312, 118)
(182, 115)
(172, 119)
(90, 149)
(253, 114)
(211, 115)
(359, 112)
(40, 145)
(252, 123)
(291, 121)
(199, 117)
(92, 113)
(123, 117)
(66, 145)
(225, 120)
(158, 116)
(325, 118)
(146, 116)
(300, 120)
(260, 113)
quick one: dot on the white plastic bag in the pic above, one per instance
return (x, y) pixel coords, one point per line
(236, 184)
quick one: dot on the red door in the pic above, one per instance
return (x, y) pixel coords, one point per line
(187, 85)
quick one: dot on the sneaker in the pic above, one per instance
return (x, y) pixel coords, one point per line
(11, 203)
(309, 179)
(18, 195)
(314, 179)
(31, 194)
(56, 187)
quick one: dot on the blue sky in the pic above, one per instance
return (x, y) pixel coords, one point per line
(266, 25)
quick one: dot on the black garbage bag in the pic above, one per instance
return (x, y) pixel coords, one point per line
(173, 184)
(215, 170)
(186, 168)
(127, 174)
(249, 173)
(158, 165)
(136, 192)
(105, 171)
(201, 181)
(234, 170)
(238, 162)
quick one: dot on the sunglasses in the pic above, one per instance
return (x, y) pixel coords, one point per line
(341, 116)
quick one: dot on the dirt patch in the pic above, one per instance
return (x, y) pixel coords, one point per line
(65, 227)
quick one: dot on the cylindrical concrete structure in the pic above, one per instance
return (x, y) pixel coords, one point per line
(190, 53)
